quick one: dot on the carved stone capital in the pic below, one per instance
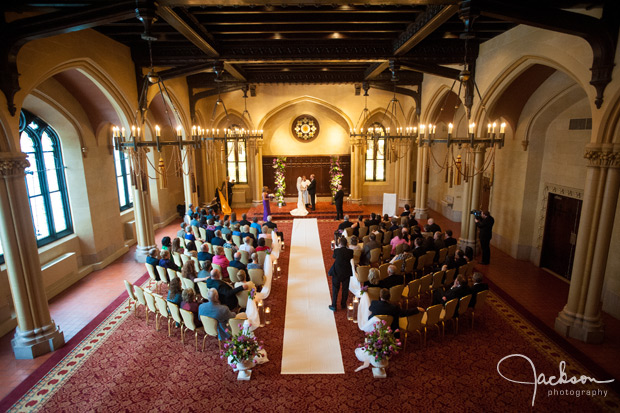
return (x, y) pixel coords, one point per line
(13, 164)
(603, 157)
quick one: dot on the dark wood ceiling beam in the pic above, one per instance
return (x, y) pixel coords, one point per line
(236, 73)
(424, 25)
(296, 3)
(375, 70)
(174, 20)
(431, 69)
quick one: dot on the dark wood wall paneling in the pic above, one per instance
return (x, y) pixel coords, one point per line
(306, 165)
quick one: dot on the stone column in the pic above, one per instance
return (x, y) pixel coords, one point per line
(475, 185)
(143, 213)
(255, 169)
(357, 170)
(421, 208)
(189, 170)
(405, 174)
(36, 332)
(581, 316)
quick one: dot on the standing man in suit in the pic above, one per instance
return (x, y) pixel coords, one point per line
(312, 191)
(341, 273)
(339, 199)
(485, 224)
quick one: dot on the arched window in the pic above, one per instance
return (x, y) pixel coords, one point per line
(375, 154)
(123, 180)
(45, 180)
(236, 158)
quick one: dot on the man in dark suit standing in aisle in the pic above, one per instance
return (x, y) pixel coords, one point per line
(338, 200)
(341, 273)
(312, 191)
(485, 224)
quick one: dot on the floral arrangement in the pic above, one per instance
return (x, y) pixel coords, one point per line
(241, 347)
(335, 173)
(363, 290)
(279, 164)
(381, 342)
(252, 293)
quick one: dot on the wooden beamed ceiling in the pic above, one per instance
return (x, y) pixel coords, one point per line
(290, 41)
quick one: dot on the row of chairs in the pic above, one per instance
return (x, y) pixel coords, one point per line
(437, 315)
(161, 308)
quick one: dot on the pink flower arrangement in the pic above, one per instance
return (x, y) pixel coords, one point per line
(241, 347)
(381, 343)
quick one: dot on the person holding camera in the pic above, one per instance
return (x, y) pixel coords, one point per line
(484, 221)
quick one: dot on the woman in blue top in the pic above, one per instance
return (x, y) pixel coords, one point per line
(175, 291)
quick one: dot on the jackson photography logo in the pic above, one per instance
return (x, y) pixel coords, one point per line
(554, 381)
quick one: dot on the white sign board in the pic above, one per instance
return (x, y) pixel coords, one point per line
(389, 204)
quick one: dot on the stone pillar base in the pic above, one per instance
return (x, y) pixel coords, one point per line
(34, 343)
(142, 252)
(257, 202)
(356, 201)
(421, 213)
(588, 331)
(464, 243)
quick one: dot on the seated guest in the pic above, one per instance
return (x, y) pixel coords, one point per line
(215, 310)
(429, 243)
(189, 303)
(419, 250)
(439, 243)
(403, 256)
(477, 287)
(354, 244)
(190, 210)
(374, 278)
(394, 225)
(189, 270)
(181, 232)
(233, 218)
(407, 211)
(204, 273)
(210, 214)
(226, 229)
(174, 291)
(384, 307)
(270, 223)
(359, 224)
(227, 293)
(166, 262)
(153, 258)
(416, 232)
(191, 250)
(247, 246)
(245, 232)
(195, 220)
(372, 221)
(236, 263)
(432, 226)
(211, 225)
(458, 290)
(456, 260)
(243, 279)
(344, 225)
(244, 220)
(412, 221)
(203, 222)
(218, 240)
(220, 259)
(396, 241)
(189, 236)
(219, 225)
(256, 225)
(166, 243)
(448, 240)
(229, 242)
(204, 254)
(253, 264)
(368, 246)
(261, 245)
(386, 219)
(404, 234)
(265, 232)
(176, 246)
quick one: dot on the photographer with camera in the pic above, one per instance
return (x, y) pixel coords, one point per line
(484, 221)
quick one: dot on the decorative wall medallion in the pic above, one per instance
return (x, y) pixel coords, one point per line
(305, 128)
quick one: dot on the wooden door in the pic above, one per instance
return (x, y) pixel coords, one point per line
(560, 236)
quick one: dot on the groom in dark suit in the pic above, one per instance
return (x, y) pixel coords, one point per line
(312, 191)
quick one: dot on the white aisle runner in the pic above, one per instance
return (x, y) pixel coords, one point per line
(311, 344)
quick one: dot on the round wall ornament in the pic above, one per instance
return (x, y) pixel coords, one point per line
(305, 128)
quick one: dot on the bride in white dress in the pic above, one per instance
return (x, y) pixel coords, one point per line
(301, 210)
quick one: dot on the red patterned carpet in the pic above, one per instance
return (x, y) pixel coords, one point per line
(125, 365)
